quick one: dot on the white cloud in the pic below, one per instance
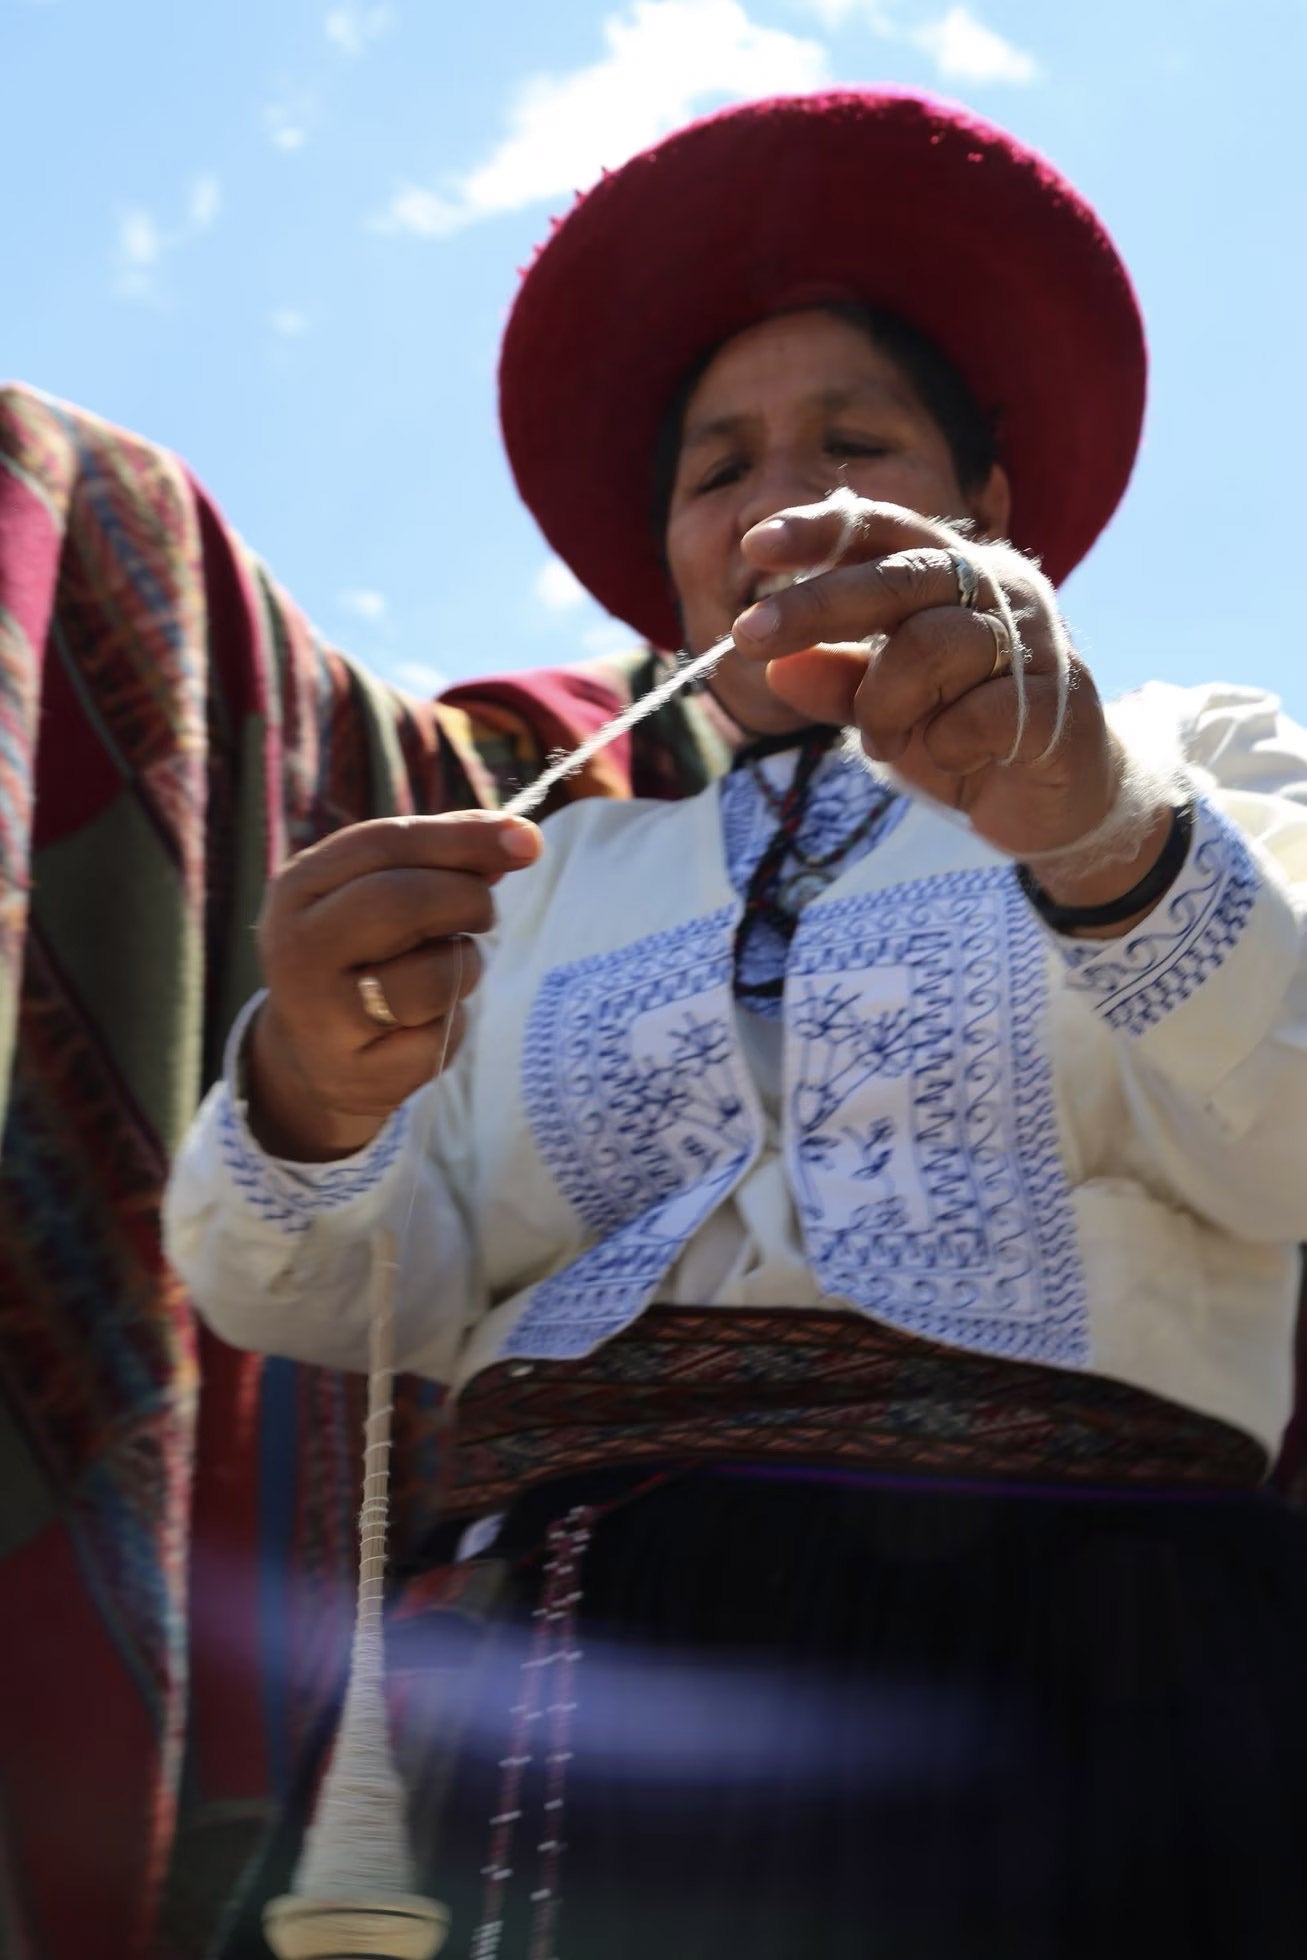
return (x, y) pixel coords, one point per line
(137, 250)
(289, 322)
(139, 242)
(352, 28)
(286, 126)
(423, 213)
(204, 204)
(142, 243)
(423, 679)
(364, 604)
(962, 48)
(609, 636)
(558, 589)
(965, 50)
(664, 60)
(834, 14)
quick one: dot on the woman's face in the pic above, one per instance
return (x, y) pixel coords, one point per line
(786, 412)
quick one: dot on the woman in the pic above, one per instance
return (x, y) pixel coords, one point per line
(858, 1226)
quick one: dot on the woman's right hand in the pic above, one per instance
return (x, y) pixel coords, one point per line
(391, 898)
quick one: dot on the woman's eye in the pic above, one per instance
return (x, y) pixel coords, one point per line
(850, 446)
(729, 470)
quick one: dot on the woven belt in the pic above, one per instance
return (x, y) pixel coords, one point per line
(824, 1388)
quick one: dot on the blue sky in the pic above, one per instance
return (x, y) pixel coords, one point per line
(282, 235)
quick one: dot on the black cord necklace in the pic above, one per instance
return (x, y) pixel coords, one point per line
(775, 896)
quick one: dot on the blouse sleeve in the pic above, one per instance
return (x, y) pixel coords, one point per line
(277, 1256)
(1208, 995)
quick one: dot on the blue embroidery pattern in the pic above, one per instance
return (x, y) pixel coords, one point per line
(842, 794)
(1134, 982)
(922, 1137)
(283, 1200)
(644, 1115)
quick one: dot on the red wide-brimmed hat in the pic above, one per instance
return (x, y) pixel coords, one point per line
(894, 199)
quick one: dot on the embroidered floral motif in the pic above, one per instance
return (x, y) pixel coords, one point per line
(842, 798)
(289, 1202)
(921, 1138)
(642, 1110)
(1134, 982)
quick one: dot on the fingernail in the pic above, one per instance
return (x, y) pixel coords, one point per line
(520, 841)
(759, 622)
(770, 527)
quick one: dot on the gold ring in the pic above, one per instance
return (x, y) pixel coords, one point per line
(375, 1005)
(1002, 645)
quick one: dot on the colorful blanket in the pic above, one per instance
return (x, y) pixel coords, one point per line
(176, 1519)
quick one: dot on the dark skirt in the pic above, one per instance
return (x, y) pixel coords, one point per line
(817, 1713)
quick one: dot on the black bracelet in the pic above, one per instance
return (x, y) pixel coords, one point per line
(1139, 898)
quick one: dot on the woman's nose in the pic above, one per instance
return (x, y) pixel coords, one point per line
(783, 482)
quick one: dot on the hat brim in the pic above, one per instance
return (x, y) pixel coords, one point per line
(907, 204)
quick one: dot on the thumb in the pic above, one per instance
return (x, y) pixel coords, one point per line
(821, 682)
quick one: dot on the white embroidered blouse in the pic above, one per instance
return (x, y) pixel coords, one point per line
(1090, 1154)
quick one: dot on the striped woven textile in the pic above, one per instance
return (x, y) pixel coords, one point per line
(176, 1519)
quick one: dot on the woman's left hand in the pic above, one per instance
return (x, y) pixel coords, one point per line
(938, 703)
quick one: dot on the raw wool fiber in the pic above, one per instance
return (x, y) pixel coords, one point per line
(1151, 772)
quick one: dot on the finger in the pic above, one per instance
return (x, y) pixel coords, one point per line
(821, 684)
(390, 913)
(396, 1065)
(981, 727)
(934, 659)
(858, 529)
(473, 840)
(849, 603)
(417, 988)
(885, 690)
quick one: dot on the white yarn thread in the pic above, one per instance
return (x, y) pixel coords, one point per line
(989, 562)
(357, 1845)
(562, 766)
(356, 1849)
(986, 561)
(697, 668)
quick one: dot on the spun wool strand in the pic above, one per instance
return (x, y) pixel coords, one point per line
(357, 1844)
(985, 560)
(352, 1892)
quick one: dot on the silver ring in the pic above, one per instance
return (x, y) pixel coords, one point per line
(375, 1005)
(968, 579)
(1002, 644)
